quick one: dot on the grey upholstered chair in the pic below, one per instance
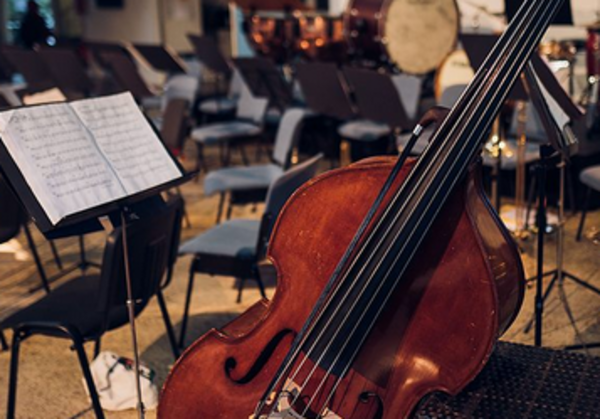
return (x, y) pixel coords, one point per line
(235, 247)
(380, 113)
(249, 184)
(248, 125)
(449, 97)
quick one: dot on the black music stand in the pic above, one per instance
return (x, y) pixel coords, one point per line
(119, 212)
(208, 54)
(377, 98)
(327, 94)
(264, 79)
(160, 58)
(325, 91)
(558, 143)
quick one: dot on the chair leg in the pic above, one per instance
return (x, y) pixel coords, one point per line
(242, 282)
(97, 347)
(3, 342)
(36, 258)
(530, 200)
(87, 375)
(200, 162)
(586, 204)
(56, 255)
(14, 372)
(261, 285)
(186, 216)
(220, 210)
(188, 299)
(229, 209)
(169, 326)
(242, 150)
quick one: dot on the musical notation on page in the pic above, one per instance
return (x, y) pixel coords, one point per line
(58, 159)
(125, 137)
(80, 155)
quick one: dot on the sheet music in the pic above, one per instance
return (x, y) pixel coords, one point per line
(128, 142)
(58, 159)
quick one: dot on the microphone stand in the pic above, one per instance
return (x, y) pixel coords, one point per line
(560, 143)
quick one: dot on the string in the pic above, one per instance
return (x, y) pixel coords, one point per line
(338, 381)
(455, 164)
(345, 319)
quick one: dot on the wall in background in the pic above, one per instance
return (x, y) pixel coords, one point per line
(181, 17)
(137, 21)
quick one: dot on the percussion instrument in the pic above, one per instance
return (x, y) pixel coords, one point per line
(395, 278)
(558, 50)
(414, 36)
(476, 20)
(455, 70)
(593, 50)
(283, 37)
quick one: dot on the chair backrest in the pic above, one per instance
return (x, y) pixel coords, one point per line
(451, 94)
(279, 193)
(181, 86)
(174, 124)
(12, 214)
(31, 66)
(149, 242)
(409, 88)
(68, 70)
(288, 133)
(251, 108)
(126, 73)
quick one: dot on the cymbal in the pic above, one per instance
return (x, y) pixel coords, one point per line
(271, 4)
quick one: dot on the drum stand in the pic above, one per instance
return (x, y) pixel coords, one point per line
(558, 275)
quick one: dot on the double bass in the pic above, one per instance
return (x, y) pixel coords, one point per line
(395, 279)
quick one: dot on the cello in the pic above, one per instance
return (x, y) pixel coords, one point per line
(395, 279)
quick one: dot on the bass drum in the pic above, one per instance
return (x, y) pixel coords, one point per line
(413, 35)
(455, 70)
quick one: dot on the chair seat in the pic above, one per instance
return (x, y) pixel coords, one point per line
(218, 106)
(217, 133)
(509, 155)
(364, 130)
(152, 102)
(72, 304)
(420, 145)
(234, 238)
(241, 178)
(591, 177)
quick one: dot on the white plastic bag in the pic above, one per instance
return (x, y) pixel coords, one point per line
(114, 377)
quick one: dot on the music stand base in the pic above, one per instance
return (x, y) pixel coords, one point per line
(555, 274)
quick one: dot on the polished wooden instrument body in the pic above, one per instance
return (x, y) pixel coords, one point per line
(435, 334)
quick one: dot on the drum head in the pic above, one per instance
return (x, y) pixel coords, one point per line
(455, 70)
(419, 34)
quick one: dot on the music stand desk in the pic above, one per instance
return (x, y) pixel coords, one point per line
(160, 58)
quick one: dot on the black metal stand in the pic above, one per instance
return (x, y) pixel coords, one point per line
(131, 314)
(558, 275)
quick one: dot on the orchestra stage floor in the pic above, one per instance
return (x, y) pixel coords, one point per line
(50, 383)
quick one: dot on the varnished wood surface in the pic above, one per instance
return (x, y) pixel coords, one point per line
(436, 333)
